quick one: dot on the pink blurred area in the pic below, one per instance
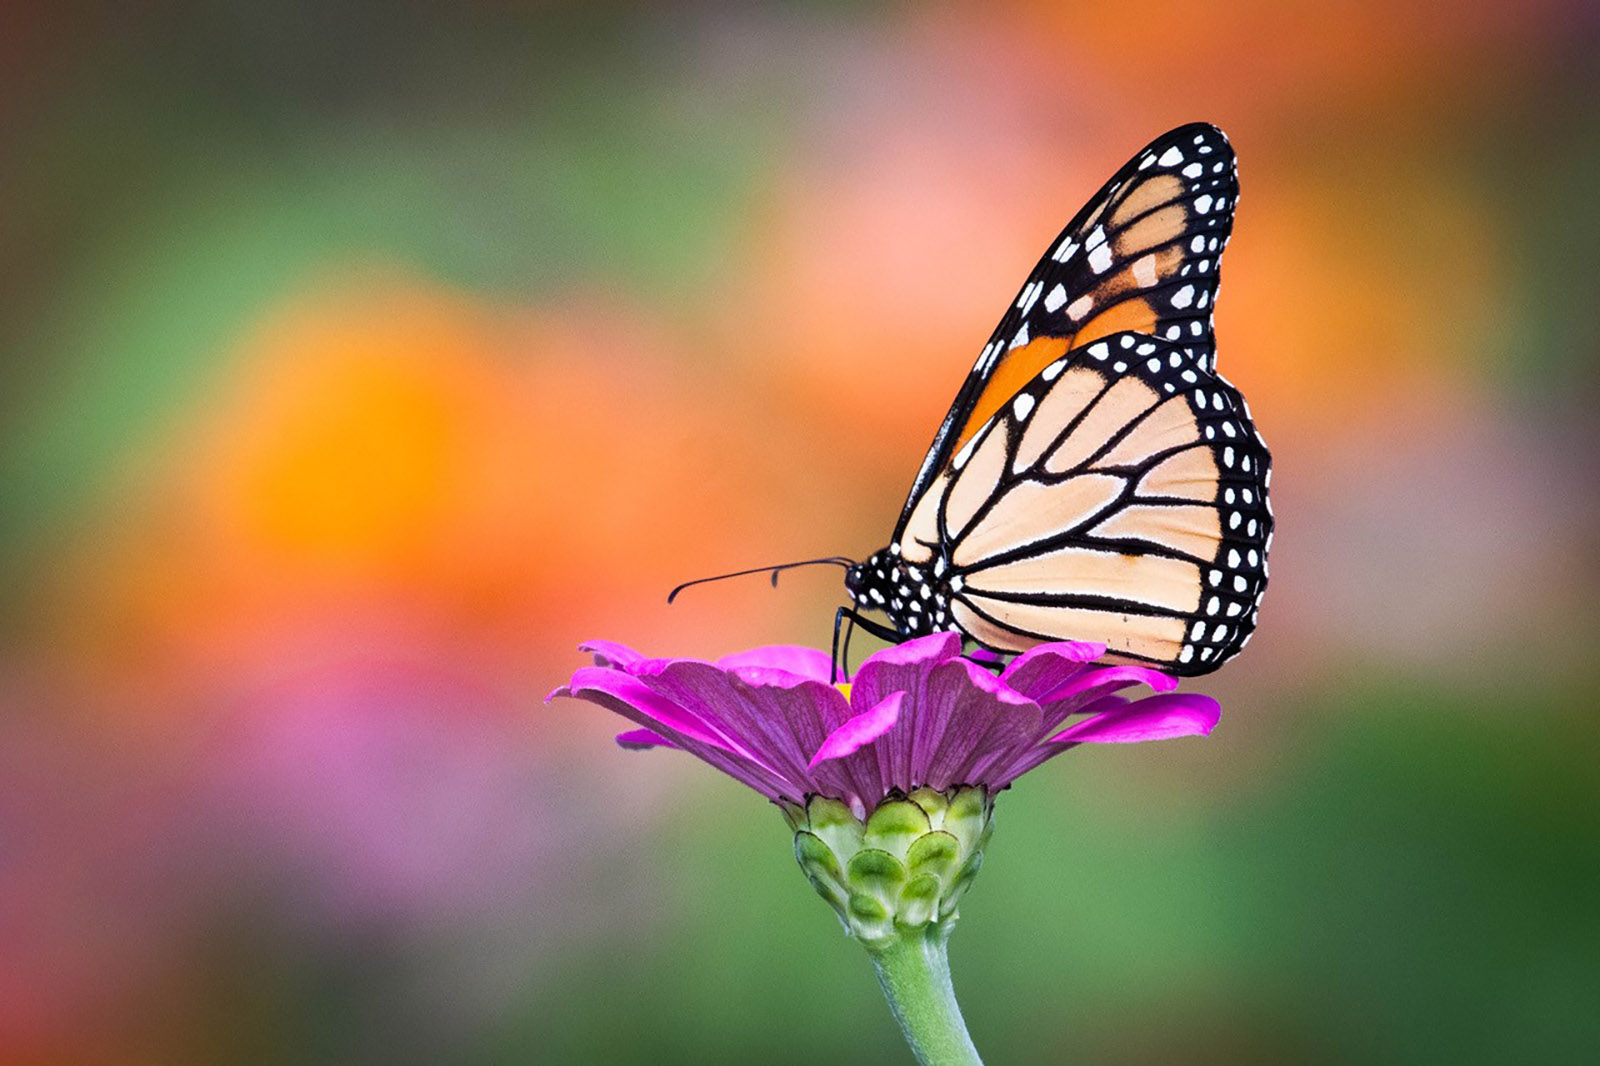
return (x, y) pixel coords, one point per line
(285, 654)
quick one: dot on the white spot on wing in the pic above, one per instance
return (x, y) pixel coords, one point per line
(1055, 298)
(1030, 293)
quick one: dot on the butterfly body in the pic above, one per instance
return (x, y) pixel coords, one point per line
(1096, 479)
(916, 598)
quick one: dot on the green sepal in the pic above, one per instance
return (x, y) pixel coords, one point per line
(903, 867)
(958, 887)
(869, 918)
(793, 813)
(934, 853)
(836, 824)
(918, 901)
(894, 825)
(969, 810)
(934, 804)
(876, 871)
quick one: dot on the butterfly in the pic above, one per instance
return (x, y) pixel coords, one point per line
(1096, 479)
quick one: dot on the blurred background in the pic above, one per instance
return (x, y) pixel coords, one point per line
(362, 359)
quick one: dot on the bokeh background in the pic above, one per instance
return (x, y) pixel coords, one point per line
(362, 359)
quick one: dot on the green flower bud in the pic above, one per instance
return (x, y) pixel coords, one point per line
(904, 867)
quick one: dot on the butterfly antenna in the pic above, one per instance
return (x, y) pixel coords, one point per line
(832, 560)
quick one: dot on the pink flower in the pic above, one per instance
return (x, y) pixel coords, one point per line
(918, 714)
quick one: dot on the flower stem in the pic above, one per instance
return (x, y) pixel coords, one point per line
(914, 971)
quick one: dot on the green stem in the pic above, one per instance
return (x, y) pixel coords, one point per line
(914, 972)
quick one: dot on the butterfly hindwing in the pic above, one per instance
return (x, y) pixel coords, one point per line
(1120, 495)
(1142, 256)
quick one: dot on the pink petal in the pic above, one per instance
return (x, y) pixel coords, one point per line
(1153, 718)
(1077, 651)
(639, 697)
(779, 719)
(610, 653)
(1046, 666)
(1112, 678)
(627, 696)
(930, 649)
(988, 723)
(804, 662)
(640, 739)
(860, 731)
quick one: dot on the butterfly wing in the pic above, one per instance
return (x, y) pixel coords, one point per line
(1142, 256)
(1120, 495)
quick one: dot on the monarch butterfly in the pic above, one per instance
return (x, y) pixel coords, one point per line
(1095, 478)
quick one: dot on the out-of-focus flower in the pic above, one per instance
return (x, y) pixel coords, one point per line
(919, 714)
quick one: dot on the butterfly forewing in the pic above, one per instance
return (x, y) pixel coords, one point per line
(1121, 495)
(1142, 256)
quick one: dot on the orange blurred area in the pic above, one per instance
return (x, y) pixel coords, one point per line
(388, 456)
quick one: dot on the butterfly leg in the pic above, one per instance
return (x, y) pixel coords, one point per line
(877, 629)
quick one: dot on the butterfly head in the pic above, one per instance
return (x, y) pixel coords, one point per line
(870, 582)
(915, 601)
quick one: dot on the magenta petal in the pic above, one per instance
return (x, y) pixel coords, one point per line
(637, 695)
(1153, 718)
(779, 720)
(861, 730)
(1078, 651)
(1047, 666)
(629, 697)
(610, 653)
(803, 662)
(641, 739)
(983, 723)
(930, 649)
(1111, 678)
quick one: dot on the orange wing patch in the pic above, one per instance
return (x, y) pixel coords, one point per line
(1017, 367)
(1134, 316)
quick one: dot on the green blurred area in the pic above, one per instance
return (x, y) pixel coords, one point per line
(208, 166)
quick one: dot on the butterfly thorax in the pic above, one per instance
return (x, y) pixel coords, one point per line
(916, 598)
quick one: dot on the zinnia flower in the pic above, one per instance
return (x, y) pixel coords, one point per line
(916, 714)
(888, 780)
